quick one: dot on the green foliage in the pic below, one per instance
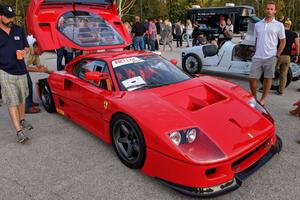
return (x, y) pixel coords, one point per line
(176, 9)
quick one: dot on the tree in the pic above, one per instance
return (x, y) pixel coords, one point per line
(124, 6)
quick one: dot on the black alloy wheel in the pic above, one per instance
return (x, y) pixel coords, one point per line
(128, 141)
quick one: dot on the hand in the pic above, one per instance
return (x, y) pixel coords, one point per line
(296, 59)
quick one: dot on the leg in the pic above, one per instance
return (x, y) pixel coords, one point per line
(142, 45)
(21, 110)
(266, 89)
(180, 40)
(284, 68)
(30, 87)
(253, 86)
(135, 44)
(15, 117)
(255, 73)
(60, 55)
(187, 40)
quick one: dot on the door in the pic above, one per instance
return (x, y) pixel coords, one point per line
(80, 24)
(84, 100)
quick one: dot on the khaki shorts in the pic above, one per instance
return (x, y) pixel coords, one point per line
(263, 66)
(14, 88)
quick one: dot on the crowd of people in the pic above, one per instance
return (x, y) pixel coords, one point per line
(152, 33)
(18, 57)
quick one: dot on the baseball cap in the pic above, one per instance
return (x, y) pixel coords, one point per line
(7, 11)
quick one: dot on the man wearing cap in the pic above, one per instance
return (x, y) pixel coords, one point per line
(284, 59)
(13, 79)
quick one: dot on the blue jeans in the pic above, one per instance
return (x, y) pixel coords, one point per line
(152, 44)
(60, 55)
(138, 43)
(29, 98)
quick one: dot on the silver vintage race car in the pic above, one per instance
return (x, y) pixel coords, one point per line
(229, 58)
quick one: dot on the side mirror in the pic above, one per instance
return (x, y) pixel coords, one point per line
(96, 76)
(173, 61)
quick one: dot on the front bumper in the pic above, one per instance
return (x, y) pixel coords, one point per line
(231, 185)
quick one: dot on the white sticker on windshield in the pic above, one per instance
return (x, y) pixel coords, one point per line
(133, 83)
(125, 61)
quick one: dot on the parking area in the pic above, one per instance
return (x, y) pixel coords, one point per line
(62, 161)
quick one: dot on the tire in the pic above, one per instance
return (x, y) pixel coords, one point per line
(46, 96)
(275, 83)
(192, 64)
(128, 141)
(184, 37)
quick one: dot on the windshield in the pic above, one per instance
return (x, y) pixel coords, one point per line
(106, 2)
(88, 30)
(144, 72)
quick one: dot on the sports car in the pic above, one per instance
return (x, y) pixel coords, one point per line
(200, 135)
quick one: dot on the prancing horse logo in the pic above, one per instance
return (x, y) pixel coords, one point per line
(250, 135)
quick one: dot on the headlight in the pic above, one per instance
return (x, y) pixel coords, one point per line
(175, 137)
(191, 135)
(254, 104)
(183, 136)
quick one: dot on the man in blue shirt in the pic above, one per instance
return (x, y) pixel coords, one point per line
(13, 79)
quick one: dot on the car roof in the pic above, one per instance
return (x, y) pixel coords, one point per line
(115, 55)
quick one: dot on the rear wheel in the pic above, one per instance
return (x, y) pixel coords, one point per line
(46, 97)
(276, 79)
(128, 141)
(192, 64)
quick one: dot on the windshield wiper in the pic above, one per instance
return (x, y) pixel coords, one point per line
(152, 86)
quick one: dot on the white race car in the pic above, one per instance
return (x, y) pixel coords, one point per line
(229, 58)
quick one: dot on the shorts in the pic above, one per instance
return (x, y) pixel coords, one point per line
(263, 66)
(14, 88)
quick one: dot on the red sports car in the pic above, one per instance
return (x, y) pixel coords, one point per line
(199, 135)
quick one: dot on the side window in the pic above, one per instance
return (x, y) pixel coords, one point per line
(91, 66)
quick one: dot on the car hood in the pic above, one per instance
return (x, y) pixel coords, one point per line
(230, 123)
(80, 24)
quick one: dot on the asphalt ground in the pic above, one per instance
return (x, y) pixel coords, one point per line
(62, 161)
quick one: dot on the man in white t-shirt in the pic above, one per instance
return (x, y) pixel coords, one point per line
(267, 33)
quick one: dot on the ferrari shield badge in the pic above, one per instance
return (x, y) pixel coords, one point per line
(250, 135)
(105, 104)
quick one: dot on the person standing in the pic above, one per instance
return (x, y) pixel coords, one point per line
(138, 32)
(157, 24)
(13, 79)
(178, 33)
(195, 34)
(284, 59)
(167, 34)
(221, 32)
(266, 32)
(152, 33)
(146, 35)
(189, 31)
(33, 64)
(229, 28)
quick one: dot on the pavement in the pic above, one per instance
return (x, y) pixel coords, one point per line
(62, 161)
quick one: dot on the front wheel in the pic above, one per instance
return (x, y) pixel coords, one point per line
(276, 79)
(192, 64)
(128, 141)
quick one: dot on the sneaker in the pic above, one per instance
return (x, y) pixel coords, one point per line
(21, 137)
(25, 125)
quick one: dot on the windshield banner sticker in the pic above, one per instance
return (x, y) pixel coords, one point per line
(126, 61)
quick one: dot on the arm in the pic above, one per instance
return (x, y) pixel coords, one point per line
(281, 46)
(297, 49)
(282, 41)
